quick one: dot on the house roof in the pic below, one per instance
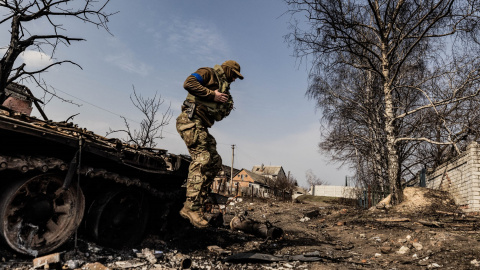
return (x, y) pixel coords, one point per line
(256, 177)
(228, 169)
(267, 170)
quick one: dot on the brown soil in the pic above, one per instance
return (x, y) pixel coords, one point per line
(426, 231)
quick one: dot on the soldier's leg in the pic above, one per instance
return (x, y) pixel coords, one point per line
(196, 178)
(204, 167)
(212, 165)
(188, 130)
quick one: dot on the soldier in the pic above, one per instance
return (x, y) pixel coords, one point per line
(208, 100)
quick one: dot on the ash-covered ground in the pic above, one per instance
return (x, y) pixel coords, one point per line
(427, 231)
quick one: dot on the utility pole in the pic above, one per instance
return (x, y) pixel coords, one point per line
(231, 169)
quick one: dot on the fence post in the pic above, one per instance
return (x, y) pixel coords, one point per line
(369, 197)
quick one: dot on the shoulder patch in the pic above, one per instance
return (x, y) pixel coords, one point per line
(199, 78)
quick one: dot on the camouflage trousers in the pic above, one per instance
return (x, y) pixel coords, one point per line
(206, 162)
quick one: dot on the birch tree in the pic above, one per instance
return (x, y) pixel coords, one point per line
(390, 65)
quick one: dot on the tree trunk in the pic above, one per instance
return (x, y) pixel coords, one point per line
(393, 161)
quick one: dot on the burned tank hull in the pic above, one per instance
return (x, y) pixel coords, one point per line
(56, 177)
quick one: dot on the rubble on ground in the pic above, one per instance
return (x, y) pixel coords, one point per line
(428, 234)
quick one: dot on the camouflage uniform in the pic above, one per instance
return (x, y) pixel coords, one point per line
(199, 112)
(206, 162)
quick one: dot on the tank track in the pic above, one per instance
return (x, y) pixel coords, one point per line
(25, 164)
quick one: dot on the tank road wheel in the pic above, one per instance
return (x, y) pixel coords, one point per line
(37, 215)
(118, 218)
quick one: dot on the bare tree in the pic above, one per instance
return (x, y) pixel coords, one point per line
(312, 179)
(151, 126)
(282, 184)
(21, 13)
(418, 58)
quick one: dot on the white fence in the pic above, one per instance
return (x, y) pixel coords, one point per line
(334, 191)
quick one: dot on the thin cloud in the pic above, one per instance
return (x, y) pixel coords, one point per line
(198, 38)
(125, 59)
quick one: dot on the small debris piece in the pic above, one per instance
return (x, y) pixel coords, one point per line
(417, 246)
(312, 214)
(341, 246)
(46, 260)
(304, 219)
(403, 250)
(260, 229)
(308, 257)
(253, 257)
(95, 266)
(73, 264)
(392, 219)
(431, 223)
(149, 256)
(158, 254)
(261, 257)
(446, 213)
(386, 249)
(341, 223)
(218, 250)
(124, 265)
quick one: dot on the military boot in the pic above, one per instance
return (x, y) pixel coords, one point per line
(196, 217)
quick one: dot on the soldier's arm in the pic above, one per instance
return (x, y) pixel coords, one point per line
(194, 84)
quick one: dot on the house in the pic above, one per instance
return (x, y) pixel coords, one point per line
(272, 172)
(221, 183)
(247, 182)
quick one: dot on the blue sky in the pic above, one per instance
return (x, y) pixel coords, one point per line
(156, 44)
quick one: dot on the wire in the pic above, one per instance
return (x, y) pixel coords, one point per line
(98, 107)
(247, 155)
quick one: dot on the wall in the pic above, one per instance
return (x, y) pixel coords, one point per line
(334, 191)
(460, 177)
(243, 179)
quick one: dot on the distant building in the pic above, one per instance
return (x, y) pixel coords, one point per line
(221, 184)
(247, 182)
(272, 172)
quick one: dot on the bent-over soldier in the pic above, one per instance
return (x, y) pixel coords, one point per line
(208, 100)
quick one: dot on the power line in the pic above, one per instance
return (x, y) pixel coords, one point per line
(96, 106)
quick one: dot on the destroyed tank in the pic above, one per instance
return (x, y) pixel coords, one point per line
(57, 178)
